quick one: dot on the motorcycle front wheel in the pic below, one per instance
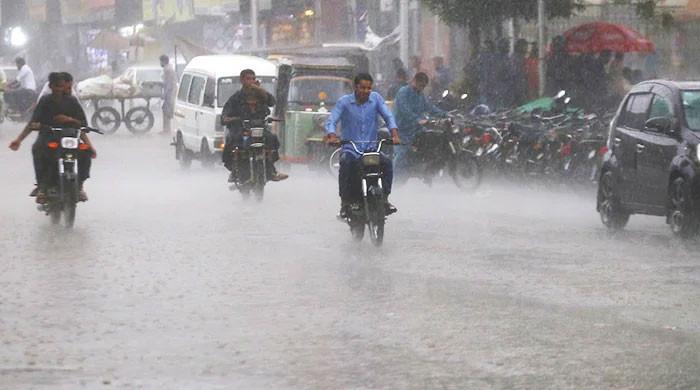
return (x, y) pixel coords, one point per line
(376, 222)
(69, 204)
(466, 173)
(357, 230)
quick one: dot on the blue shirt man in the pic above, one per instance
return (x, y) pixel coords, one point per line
(410, 107)
(358, 115)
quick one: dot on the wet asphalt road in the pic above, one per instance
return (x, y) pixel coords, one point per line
(170, 281)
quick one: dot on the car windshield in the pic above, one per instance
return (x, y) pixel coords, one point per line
(691, 109)
(229, 85)
(148, 75)
(313, 89)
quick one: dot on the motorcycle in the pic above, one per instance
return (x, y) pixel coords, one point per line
(64, 186)
(14, 112)
(370, 209)
(250, 159)
(438, 149)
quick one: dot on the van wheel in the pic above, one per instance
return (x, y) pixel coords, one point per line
(205, 156)
(682, 217)
(613, 216)
(181, 153)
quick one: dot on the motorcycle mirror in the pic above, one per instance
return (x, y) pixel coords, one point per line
(464, 96)
(445, 93)
(560, 94)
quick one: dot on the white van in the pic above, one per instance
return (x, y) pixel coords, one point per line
(206, 84)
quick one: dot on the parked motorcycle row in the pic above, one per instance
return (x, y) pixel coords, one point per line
(547, 139)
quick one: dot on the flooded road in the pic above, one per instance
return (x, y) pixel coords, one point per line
(170, 280)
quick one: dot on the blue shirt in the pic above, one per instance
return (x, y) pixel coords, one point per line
(359, 122)
(410, 106)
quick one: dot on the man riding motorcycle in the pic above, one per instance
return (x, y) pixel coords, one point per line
(410, 107)
(251, 102)
(358, 113)
(59, 109)
(21, 93)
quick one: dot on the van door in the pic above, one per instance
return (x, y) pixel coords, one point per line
(181, 106)
(194, 102)
(206, 121)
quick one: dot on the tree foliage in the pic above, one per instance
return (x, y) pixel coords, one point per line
(485, 12)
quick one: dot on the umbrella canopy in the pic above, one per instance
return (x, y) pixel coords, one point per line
(598, 36)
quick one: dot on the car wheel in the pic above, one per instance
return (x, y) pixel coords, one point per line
(613, 216)
(206, 157)
(682, 217)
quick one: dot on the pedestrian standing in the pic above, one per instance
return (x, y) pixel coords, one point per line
(169, 92)
(532, 68)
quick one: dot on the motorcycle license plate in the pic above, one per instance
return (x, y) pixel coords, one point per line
(256, 132)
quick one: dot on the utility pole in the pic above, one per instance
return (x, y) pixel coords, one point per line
(254, 22)
(541, 18)
(403, 24)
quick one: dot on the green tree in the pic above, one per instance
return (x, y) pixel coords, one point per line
(477, 15)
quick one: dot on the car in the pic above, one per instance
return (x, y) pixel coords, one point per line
(652, 165)
(147, 77)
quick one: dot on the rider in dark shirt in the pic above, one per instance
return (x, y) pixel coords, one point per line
(55, 110)
(251, 102)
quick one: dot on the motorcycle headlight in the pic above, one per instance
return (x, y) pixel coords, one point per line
(371, 159)
(69, 143)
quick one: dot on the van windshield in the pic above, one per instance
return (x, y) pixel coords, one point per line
(314, 89)
(230, 85)
(691, 109)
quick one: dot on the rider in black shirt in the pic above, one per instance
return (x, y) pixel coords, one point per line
(58, 109)
(251, 102)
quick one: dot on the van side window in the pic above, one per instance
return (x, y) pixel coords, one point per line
(660, 107)
(184, 87)
(196, 90)
(635, 113)
(209, 93)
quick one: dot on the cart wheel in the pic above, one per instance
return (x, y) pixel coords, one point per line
(106, 119)
(139, 120)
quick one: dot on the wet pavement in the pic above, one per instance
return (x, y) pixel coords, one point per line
(171, 281)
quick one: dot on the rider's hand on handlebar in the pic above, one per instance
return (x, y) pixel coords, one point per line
(14, 145)
(332, 139)
(395, 139)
